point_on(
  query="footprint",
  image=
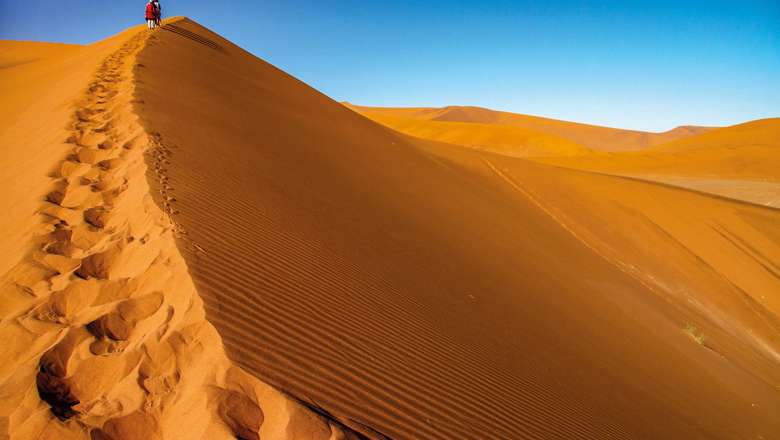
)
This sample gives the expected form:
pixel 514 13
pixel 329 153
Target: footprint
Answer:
pixel 136 425
pixel 242 415
pixel 118 325
pixel 111 326
pixel 69 194
pixel 71 169
pixel 97 216
pixel 91 139
pixel 53 386
pixel 93 156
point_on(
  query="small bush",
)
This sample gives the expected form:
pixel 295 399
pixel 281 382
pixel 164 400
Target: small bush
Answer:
pixel 694 332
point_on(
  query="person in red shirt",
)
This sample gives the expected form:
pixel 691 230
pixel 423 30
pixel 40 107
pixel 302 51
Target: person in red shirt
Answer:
pixel 151 18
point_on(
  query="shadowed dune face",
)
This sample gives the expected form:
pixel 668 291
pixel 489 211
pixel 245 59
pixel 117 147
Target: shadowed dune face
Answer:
pixel 589 137
pixel 416 291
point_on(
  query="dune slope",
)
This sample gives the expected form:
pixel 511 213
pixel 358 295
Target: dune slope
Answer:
pixel 503 139
pixel 412 290
pixel 590 136
pixel 740 162
pixel 759 133
pixel 102 334
pixel 744 151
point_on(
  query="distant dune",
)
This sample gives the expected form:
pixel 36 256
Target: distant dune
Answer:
pixel 739 162
pixel 589 136
pixel 750 151
pixel 16 53
pixel 198 245
pixel 760 133
pixel 503 139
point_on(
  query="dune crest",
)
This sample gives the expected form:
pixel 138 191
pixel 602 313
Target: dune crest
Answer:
pixel 589 137
pixel 498 138
pixel 758 133
pixel 739 162
pixel 104 335
pixel 409 289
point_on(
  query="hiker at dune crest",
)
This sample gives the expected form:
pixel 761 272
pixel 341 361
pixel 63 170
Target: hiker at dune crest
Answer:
pixel 151 16
pixel 157 13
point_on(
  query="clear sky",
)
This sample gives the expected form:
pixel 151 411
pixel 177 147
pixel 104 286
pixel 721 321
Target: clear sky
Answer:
pixel 647 65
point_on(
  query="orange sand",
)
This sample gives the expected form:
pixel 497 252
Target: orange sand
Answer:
pixel 362 281
pixel 589 136
pixel 504 139
pixel 103 334
pixel 738 162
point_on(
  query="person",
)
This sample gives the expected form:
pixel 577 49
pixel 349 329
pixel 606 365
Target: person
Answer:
pixel 150 15
pixel 157 13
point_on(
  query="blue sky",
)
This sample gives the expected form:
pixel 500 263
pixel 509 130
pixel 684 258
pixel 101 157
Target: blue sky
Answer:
pixel 647 65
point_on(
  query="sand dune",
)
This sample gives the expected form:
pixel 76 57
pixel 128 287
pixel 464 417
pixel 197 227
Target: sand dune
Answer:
pixel 745 151
pixel 739 162
pixel 589 136
pixel 17 53
pixel 503 139
pixel 412 292
pixel 760 133
pixel 103 335
pixel 200 246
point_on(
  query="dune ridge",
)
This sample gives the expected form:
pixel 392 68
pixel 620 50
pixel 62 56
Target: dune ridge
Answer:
pixel 104 335
pixel 758 133
pixel 738 162
pixel 16 53
pixel 748 151
pixel 503 139
pixel 406 288
pixel 591 137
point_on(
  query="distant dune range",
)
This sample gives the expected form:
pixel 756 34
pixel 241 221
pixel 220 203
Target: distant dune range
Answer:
pixel 383 285
pixel 591 137
pixel 738 162
pixel 410 287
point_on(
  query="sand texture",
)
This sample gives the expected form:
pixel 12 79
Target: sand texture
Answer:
pixel 197 245
pixel 415 289
pixel 103 334
pixel 494 126
pixel 740 162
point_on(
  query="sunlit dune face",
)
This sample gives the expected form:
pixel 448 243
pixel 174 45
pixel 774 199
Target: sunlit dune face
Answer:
pixel 587 137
